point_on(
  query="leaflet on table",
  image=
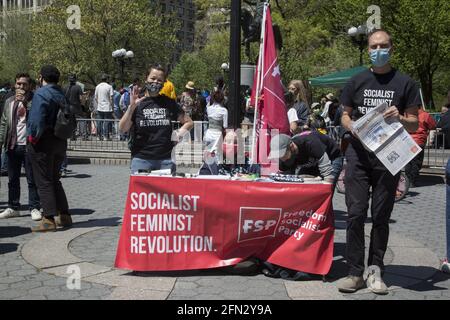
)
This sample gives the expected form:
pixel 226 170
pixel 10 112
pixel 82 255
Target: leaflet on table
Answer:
pixel 390 142
pixel 373 130
pixel 398 152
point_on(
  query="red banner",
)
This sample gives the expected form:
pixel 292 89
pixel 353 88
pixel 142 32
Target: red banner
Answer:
pixel 271 110
pixel 181 224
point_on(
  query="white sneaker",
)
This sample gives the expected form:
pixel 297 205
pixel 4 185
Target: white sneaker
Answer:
pixel 374 281
pixel 9 213
pixel 36 215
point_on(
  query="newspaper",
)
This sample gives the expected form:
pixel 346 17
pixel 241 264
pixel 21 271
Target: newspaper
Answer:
pixel 388 139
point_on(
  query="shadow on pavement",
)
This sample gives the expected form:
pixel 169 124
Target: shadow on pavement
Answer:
pixel 340 220
pixel 10 232
pixel 428 180
pixel 249 268
pixel 107 222
pixel 409 271
pixel 339 268
pixel 81 212
pixel 8 247
pixel 23 207
pixel 78 176
pixel 181 273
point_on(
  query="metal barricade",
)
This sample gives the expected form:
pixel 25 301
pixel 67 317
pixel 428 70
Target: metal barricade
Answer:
pixel 437 149
pixel 87 138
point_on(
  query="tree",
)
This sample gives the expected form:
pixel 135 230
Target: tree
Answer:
pixel 14 51
pixel 315 39
pixel 106 25
pixel 421 32
pixel 204 65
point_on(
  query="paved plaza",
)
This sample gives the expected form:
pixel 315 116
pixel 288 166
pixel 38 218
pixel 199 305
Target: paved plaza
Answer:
pixel 37 266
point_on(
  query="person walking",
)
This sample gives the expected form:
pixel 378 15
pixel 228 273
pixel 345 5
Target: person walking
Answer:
pixel 13 136
pixel 47 151
pixel 381 83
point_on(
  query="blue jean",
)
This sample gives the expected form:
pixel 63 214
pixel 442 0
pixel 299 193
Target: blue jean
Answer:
pixel 447 221
pixel 149 165
pixel 104 128
pixel 15 159
pixel 64 164
pixel 337 165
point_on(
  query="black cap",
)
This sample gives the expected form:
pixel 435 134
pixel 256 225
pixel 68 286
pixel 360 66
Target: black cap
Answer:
pixel 50 74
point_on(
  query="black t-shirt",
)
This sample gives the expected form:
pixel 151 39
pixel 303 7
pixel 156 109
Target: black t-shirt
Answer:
pixel 331 146
pixel 367 90
pixel 152 128
pixel 310 150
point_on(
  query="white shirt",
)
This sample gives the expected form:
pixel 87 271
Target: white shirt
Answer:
pixel 103 94
pixel 216 112
pixel 21 125
pixel 292 115
pixel 326 109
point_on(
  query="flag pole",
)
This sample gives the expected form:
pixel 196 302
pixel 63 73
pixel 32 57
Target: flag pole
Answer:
pixel 259 82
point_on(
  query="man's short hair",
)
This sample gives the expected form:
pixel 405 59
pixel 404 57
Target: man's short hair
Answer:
pixel 104 78
pixel 372 32
pixel 156 66
pixel 50 74
pixel 23 75
pixel 72 78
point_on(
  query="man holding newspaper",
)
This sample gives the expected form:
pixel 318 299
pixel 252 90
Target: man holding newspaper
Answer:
pixel 380 107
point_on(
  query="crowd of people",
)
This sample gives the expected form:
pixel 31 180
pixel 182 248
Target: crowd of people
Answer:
pixel 146 111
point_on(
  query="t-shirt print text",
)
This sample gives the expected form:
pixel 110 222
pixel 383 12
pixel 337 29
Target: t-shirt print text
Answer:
pixel 373 98
pixel 154 117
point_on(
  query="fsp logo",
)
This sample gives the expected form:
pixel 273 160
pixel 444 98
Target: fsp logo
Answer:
pixel 257 223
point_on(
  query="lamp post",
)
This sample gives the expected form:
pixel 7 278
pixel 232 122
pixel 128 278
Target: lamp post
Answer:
pixel 225 70
pixel 121 56
pixel 359 38
pixel 234 102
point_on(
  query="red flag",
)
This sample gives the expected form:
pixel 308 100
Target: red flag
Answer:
pixel 271 111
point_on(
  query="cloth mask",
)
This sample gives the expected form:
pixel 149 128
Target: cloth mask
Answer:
pixel 380 57
pixel 153 88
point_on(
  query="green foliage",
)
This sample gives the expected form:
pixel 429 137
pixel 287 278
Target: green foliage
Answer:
pixel 202 66
pixel 14 51
pixel 316 41
pixel 106 25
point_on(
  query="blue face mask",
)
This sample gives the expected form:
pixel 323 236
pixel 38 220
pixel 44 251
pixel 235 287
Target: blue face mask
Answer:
pixel 380 57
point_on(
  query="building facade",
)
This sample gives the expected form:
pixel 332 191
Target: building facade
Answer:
pixel 184 12
pixel 10 6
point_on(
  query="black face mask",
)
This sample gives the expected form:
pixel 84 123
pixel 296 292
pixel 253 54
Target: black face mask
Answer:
pixel 289 97
pixel 153 88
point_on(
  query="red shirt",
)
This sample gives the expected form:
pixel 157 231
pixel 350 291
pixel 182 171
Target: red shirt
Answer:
pixel 426 123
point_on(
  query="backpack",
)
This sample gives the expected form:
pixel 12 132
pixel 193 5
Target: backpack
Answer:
pixel 66 123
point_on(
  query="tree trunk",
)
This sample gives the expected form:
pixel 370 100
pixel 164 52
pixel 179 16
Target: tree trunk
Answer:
pixel 427 87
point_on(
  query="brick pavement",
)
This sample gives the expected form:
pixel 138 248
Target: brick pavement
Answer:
pixel 97 197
